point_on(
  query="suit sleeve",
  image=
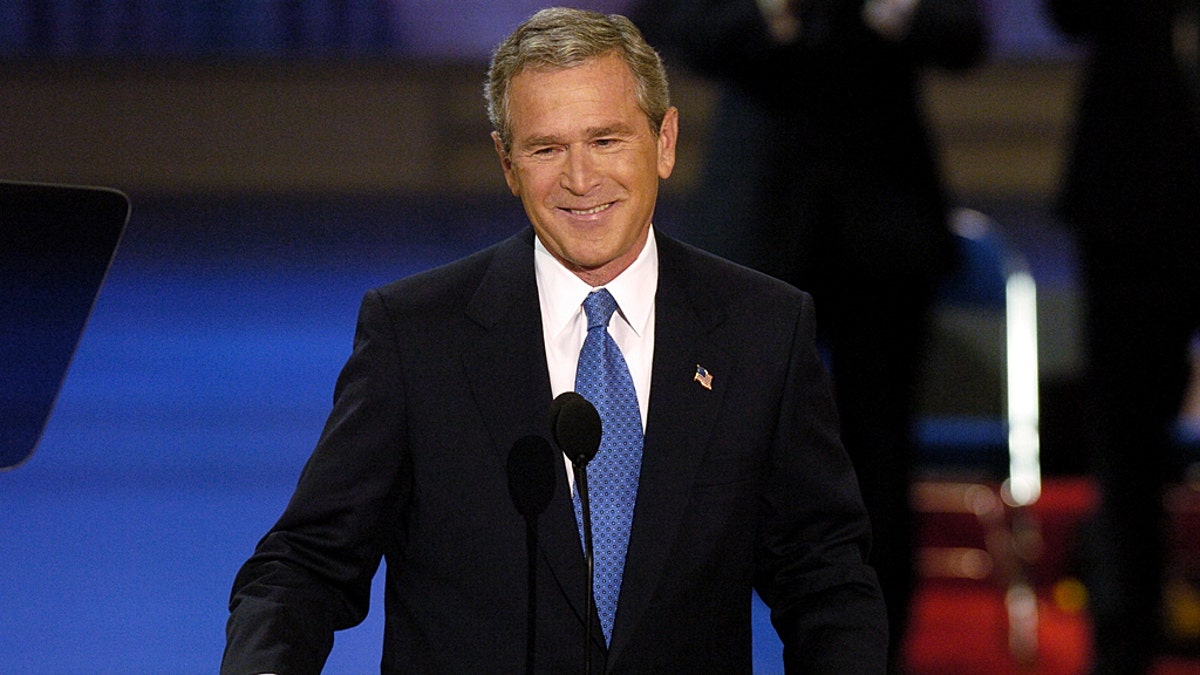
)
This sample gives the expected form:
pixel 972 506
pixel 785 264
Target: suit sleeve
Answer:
pixel 825 600
pixel 311 574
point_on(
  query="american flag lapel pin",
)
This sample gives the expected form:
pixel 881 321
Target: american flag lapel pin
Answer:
pixel 703 377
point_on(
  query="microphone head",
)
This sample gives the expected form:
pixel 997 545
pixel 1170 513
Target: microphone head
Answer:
pixel 575 426
pixel 531 473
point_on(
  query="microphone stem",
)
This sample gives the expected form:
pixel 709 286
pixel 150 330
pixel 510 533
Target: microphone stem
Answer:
pixel 589 556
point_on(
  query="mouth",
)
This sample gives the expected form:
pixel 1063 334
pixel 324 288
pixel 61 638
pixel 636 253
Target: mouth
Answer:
pixel 588 211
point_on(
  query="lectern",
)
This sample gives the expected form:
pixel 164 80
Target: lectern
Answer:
pixel 56 245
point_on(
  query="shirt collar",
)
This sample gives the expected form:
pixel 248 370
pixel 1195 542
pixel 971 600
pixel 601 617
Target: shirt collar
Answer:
pixel 562 293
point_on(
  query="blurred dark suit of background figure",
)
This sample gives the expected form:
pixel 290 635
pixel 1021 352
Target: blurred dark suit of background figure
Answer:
pixel 824 175
pixel 1132 195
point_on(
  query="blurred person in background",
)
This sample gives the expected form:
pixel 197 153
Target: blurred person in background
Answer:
pixel 1131 194
pixel 825 175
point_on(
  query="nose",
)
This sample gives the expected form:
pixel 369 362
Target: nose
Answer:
pixel 580 172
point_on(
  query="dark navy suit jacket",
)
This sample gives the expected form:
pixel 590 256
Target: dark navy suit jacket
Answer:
pixel 742 484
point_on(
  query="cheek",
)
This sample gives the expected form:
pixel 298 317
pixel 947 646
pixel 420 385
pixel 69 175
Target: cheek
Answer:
pixel 513 181
pixel 532 184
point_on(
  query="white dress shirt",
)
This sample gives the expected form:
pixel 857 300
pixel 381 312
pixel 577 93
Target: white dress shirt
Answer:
pixel 564 323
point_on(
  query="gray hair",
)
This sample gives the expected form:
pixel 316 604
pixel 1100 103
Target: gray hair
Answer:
pixel 562 38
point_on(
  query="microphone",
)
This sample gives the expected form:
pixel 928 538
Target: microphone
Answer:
pixel 575 426
pixel 531 475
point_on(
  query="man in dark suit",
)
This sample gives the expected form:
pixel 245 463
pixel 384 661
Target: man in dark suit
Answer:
pixel 743 481
pixel 1131 194
pixel 823 173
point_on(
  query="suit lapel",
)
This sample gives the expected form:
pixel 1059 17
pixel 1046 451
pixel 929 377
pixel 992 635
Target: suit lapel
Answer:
pixel 505 363
pixel 510 381
pixel 682 412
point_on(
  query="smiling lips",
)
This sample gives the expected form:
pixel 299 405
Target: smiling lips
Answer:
pixel 588 212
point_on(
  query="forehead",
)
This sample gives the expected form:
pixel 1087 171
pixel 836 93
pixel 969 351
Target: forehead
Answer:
pixel 600 87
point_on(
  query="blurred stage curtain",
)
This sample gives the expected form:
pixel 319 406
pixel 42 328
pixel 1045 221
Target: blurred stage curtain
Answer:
pixel 169 28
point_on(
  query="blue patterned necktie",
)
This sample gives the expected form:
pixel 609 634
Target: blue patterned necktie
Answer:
pixel 603 379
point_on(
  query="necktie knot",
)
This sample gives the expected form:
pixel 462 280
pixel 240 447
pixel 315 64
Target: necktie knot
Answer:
pixel 599 307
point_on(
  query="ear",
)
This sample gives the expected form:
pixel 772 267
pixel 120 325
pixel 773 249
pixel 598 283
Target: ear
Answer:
pixel 506 164
pixel 668 134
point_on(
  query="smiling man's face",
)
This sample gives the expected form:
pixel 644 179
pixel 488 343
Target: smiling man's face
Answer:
pixel 586 163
